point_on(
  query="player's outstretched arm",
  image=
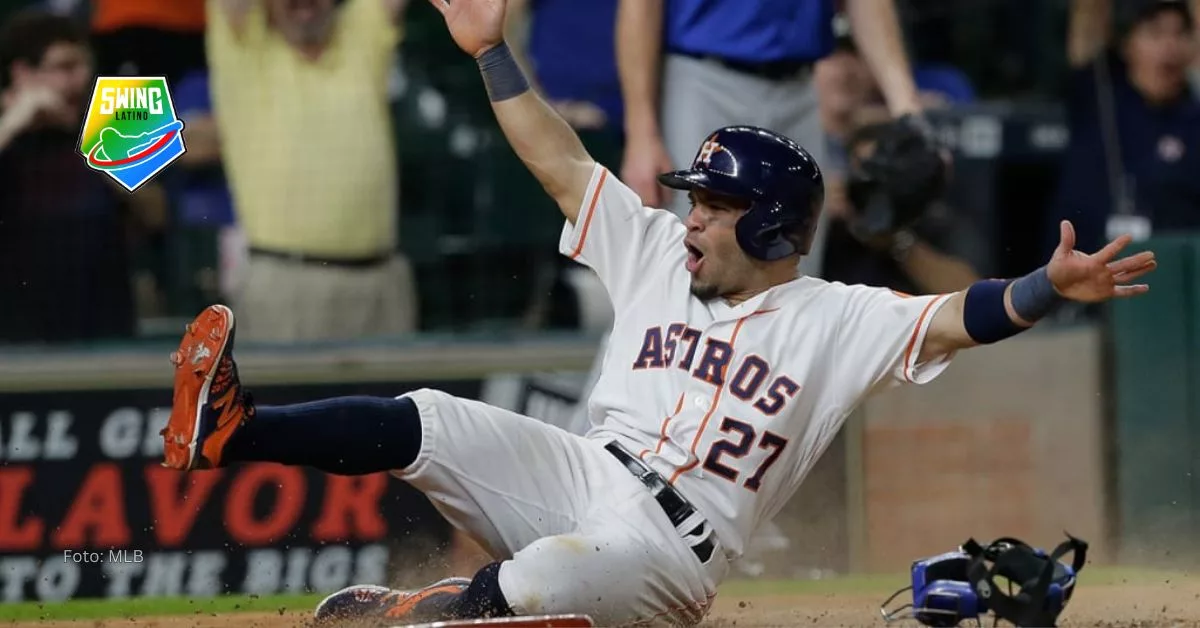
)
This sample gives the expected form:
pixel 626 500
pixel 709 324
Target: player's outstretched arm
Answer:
pixel 540 137
pixel 993 309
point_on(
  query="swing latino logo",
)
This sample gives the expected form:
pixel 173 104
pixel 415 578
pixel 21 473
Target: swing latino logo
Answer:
pixel 131 132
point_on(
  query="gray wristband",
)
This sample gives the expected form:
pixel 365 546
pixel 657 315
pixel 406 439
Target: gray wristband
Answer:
pixel 1033 296
pixel 501 74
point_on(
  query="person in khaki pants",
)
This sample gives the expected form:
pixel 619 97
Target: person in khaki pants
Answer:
pixel 301 105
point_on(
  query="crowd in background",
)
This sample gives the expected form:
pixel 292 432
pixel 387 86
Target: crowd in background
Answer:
pixel 305 195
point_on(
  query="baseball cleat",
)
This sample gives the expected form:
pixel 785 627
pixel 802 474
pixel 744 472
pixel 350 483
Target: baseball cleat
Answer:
pixel 354 602
pixel 209 403
pixel 366 601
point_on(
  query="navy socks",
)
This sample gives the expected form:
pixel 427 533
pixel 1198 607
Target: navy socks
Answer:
pixel 482 598
pixel 343 435
pixel 355 436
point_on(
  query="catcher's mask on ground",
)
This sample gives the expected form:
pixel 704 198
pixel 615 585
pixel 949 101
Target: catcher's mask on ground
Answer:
pixel 1017 583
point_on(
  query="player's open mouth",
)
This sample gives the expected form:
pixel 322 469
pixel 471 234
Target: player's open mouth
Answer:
pixel 694 258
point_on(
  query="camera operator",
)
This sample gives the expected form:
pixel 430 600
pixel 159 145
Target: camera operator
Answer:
pixel 891 226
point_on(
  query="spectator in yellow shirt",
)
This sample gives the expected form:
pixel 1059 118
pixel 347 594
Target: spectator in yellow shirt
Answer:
pixel 300 99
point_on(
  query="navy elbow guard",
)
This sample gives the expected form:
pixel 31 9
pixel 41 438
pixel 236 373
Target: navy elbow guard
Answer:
pixel 986 318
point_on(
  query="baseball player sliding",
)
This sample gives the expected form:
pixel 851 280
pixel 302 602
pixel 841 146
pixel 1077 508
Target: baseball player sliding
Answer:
pixel 726 377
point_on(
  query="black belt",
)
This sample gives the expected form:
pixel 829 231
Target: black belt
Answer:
pixel 673 503
pixel 770 70
pixel 302 258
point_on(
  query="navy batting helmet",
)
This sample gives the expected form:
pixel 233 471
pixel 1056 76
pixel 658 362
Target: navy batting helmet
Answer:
pixel 780 179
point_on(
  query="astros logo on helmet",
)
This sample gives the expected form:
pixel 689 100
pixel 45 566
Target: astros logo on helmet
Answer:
pixel 709 148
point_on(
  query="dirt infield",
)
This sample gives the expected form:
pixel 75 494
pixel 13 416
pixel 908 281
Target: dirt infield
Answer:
pixel 1143 605
pixel 1140 606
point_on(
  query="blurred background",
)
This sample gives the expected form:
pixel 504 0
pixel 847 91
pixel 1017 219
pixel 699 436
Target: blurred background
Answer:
pixel 346 189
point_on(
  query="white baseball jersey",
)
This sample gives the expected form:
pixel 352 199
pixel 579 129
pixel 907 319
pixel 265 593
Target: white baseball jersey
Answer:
pixel 733 404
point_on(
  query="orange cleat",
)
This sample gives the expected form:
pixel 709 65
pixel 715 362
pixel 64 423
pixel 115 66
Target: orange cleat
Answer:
pixel 209 404
pixel 364 602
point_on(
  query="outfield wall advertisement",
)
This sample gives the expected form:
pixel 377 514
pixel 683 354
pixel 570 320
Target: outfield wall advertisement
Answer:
pixel 87 510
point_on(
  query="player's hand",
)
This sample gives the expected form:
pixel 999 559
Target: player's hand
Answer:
pixel 644 160
pixel 1097 277
pixel 475 25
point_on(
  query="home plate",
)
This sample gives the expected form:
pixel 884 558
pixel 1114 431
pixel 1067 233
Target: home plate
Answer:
pixel 529 621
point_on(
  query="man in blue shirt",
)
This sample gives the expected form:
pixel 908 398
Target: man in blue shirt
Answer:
pixel 1134 153
pixel 690 66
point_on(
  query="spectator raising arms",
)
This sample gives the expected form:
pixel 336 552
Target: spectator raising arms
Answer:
pixel 300 98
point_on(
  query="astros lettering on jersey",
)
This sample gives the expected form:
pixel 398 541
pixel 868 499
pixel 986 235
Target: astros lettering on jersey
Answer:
pixel 733 404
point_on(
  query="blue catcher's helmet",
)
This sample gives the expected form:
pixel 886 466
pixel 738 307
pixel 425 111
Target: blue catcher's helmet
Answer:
pixel 780 179
pixel 962 585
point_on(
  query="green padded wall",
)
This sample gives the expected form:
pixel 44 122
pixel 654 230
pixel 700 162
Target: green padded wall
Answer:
pixel 1155 339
